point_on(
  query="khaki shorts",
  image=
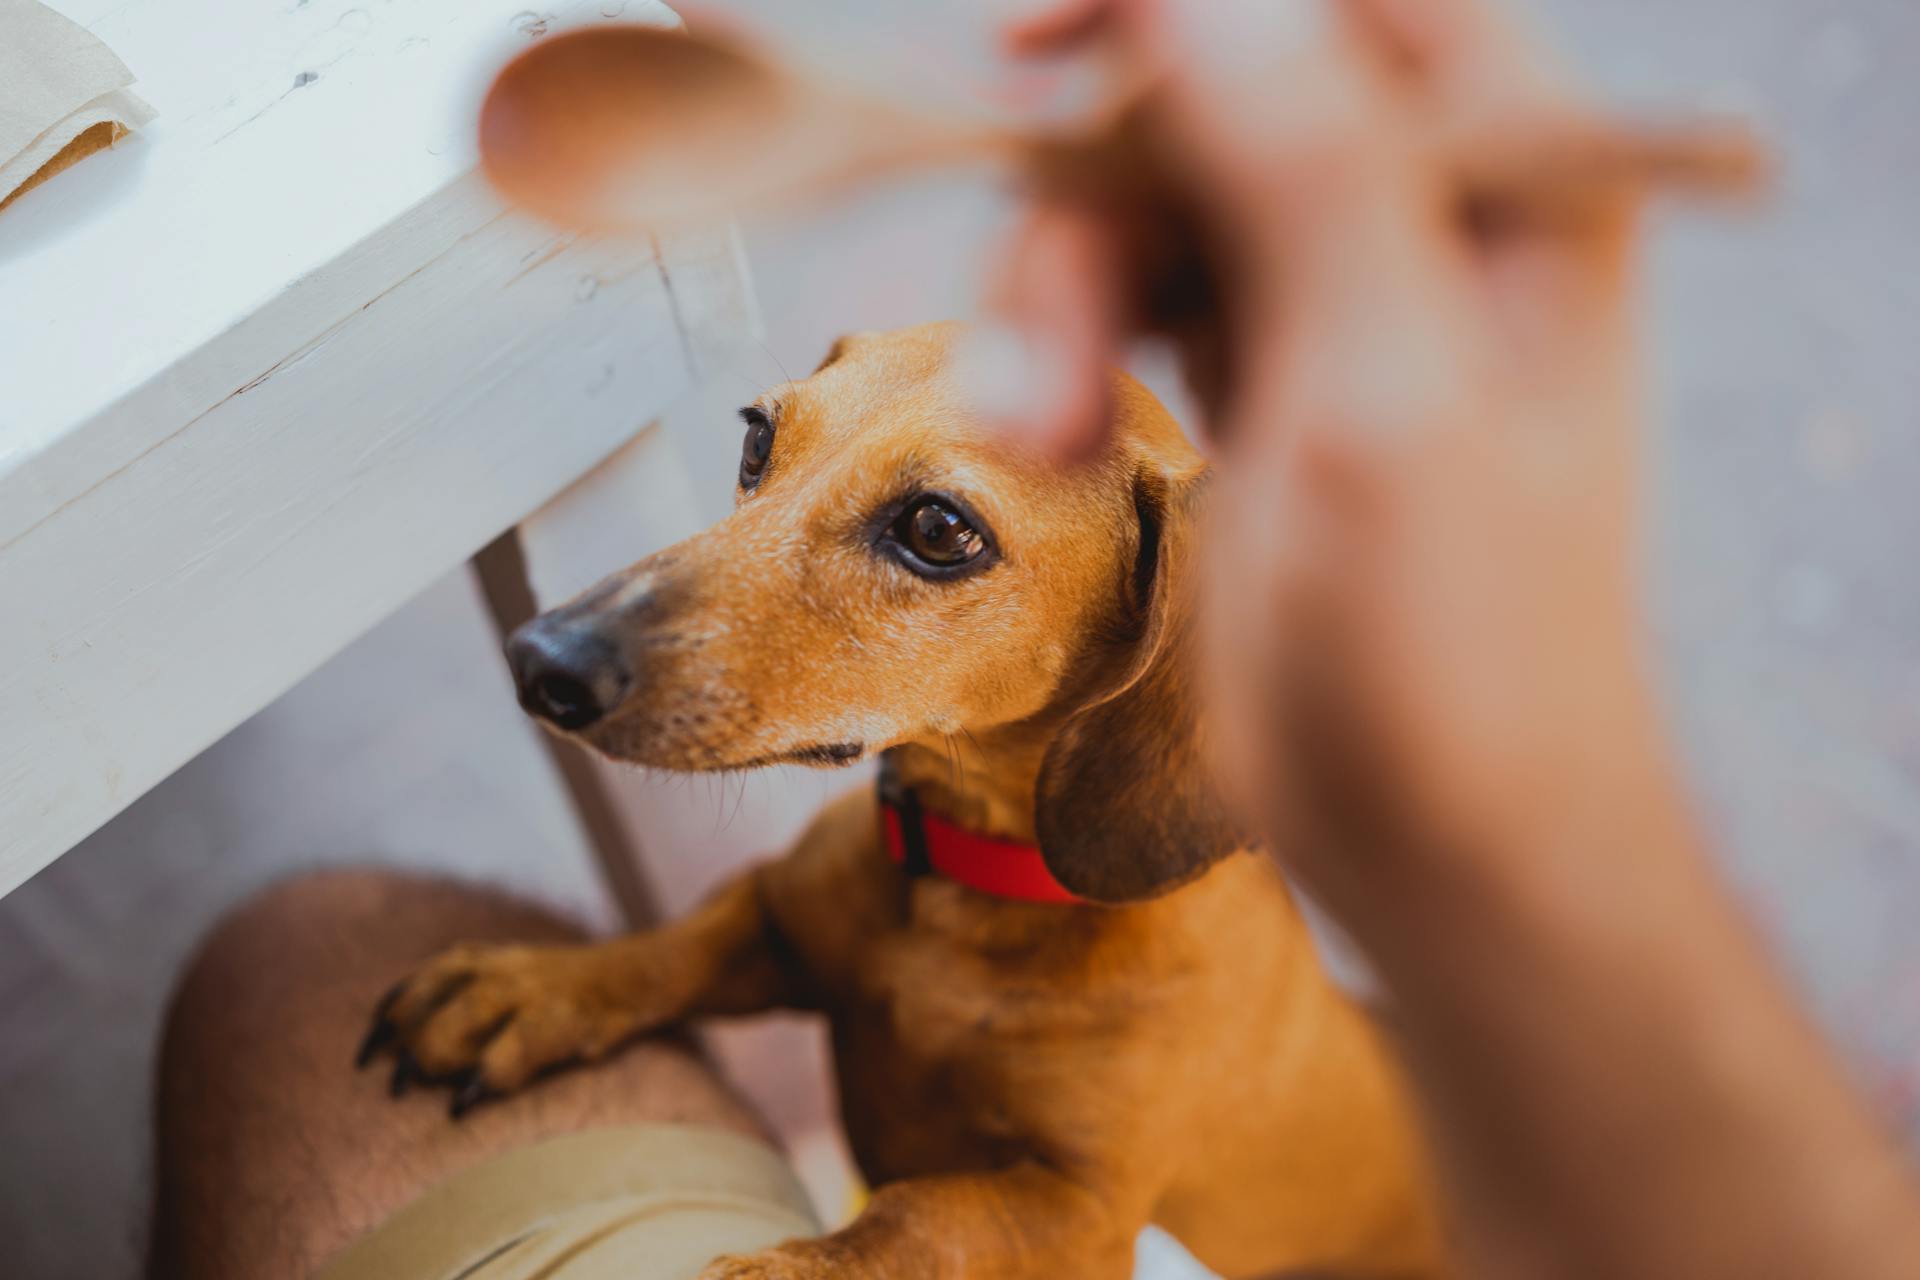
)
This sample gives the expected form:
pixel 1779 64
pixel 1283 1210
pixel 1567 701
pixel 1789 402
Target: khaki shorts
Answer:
pixel 650 1202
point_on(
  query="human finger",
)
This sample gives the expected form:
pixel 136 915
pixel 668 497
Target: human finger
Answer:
pixel 1037 370
pixel 1057 28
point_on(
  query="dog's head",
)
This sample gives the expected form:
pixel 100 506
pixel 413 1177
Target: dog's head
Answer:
pixel 892 573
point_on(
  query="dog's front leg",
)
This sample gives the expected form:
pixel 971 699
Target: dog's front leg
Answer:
pixel 487 1019
pixel 1026 1222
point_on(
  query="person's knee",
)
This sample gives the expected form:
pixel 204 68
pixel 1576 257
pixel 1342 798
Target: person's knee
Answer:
pixel 297 942
pixel 340 893
pixel 295 911
pixel 258 1102
pixel 283 936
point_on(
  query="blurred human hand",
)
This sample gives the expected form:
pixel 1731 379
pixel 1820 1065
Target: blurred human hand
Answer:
pixel 1423 627
pixel 1423 644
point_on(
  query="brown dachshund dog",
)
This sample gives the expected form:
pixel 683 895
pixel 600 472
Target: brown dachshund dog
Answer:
pixel 1026 1083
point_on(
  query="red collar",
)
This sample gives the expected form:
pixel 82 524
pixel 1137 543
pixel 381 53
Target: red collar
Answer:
pixel 926 843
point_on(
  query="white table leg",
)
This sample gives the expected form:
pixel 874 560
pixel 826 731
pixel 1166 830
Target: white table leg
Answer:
pixel 501 568
pixel 632 504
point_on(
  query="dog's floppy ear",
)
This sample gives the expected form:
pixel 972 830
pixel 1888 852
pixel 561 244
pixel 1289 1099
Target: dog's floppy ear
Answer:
pixel 1125 806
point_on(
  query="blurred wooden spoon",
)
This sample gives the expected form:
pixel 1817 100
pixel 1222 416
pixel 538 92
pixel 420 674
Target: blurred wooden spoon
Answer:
pixel 630 128
pixel 636 129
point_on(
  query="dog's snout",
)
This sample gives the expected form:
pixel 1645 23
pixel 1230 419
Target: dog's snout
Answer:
pixel 566 671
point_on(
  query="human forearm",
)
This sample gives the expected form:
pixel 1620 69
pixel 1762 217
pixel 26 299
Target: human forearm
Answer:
pixel 1616 1080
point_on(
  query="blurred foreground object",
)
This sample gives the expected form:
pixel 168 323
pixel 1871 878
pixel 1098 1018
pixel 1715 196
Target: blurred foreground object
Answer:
pixel 63 96
pixel 1426 660
pixel 623 129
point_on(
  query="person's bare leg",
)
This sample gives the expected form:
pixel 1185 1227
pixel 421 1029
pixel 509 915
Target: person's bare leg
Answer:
pixel 273 1152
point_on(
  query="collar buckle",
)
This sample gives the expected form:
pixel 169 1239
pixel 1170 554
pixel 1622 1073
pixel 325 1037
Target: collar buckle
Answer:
pixel 915 858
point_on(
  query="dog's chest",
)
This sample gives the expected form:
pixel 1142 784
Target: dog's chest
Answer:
pixel 960 1024
pixel 964 969
pixel 942 1001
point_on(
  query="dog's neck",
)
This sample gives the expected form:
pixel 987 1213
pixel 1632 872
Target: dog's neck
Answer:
pixel 983 781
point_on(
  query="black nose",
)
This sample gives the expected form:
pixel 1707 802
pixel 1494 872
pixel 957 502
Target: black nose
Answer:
pixel 565 671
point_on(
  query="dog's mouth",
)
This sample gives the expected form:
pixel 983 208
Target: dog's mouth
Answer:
pixel 832 755
pixel 712 734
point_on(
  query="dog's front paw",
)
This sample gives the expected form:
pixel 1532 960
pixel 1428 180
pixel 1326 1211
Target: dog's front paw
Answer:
pixel 487 1019
pixel 788 1262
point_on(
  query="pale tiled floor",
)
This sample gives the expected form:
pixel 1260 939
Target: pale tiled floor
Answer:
pixel 1784 553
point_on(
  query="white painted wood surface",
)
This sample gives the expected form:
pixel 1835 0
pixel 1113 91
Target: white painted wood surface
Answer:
pixel 268 370
pixel 287 131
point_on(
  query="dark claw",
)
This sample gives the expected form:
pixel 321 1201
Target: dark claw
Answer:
pixel 404 1073
pixel 472 1092
pixel 382 1031
pixel 491 1032
pixel 378 1036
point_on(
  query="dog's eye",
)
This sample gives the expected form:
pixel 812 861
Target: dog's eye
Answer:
pixel 757 448
pixel 934 536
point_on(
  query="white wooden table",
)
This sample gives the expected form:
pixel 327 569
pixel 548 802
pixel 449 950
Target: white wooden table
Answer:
pixel 278 362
